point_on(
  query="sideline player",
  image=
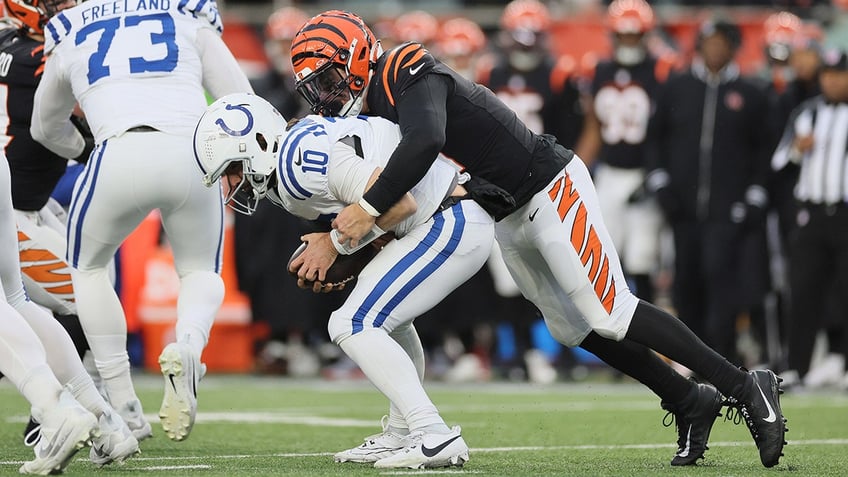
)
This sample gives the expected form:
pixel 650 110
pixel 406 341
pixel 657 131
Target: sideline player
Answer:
pixel 142 105
pixel 321 166
pixel 549 222
pixel 619 106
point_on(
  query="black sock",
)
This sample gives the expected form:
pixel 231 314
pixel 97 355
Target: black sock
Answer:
pixel 668 336
pixel 72 325
pixel 644 286
pixel 642 364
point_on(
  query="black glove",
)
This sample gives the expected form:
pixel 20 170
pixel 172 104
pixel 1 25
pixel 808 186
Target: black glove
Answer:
pixel 86 150
pixel 494 200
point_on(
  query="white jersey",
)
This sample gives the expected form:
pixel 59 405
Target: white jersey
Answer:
pixel 133 62
pixel 325 163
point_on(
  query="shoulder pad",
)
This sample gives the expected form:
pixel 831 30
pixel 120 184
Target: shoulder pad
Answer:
pixel 306 150
pixel 56 30
pixel 204 10
pixel 403 65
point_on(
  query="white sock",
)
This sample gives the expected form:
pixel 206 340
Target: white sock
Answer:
pixel 201 295
pixel 392 372
pixel 407 337
pixel 117 379
pixel 83 389
pixel 59 348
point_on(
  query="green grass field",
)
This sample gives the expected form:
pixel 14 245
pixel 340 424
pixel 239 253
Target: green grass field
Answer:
pixel 250 426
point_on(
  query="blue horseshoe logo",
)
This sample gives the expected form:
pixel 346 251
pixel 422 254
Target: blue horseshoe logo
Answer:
pixel 220 121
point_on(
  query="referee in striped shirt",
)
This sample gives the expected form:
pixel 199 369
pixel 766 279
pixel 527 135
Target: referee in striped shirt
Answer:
pixel 816 140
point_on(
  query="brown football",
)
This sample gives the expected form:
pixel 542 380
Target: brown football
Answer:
pixel 346 267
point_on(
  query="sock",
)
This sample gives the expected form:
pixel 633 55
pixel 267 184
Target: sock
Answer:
pixel 82 387
pixel 662 332
pixel 407 337
pixel 392 372
pixel 117 379
pixel 642 364
pixel 201 295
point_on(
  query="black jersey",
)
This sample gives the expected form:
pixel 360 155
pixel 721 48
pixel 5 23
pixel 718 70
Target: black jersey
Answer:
pixel 545 98
pixel 623 99
pixel 482 135
pixel 35 170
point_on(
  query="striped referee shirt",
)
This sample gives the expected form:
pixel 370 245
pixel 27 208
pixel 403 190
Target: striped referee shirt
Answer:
pixel 824 168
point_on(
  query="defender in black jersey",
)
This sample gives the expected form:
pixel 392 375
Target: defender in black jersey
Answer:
pixel 549 224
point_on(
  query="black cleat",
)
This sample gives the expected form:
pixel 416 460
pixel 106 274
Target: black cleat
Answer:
pixel 694 417
pixel 762 414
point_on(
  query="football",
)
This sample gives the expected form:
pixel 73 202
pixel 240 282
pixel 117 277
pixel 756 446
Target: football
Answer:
pixel 346 267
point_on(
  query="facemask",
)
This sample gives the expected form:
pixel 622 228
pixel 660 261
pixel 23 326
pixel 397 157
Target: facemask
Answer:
pixel 629 55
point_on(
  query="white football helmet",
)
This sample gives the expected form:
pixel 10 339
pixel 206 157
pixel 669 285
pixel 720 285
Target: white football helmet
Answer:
pixel 243 133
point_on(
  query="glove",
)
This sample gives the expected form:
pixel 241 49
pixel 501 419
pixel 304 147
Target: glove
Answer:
pixel 494 200
pixel 640 194
pixel 86 150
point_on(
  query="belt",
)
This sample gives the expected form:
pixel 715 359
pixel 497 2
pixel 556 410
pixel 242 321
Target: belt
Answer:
pixel 143 129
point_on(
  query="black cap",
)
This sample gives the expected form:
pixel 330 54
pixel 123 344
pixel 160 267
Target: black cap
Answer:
pixel 721 27
pixel 834 59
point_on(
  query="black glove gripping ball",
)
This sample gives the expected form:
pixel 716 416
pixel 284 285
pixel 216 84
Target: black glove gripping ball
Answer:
pixel 346 267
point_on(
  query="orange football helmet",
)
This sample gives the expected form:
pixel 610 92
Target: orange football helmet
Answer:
pixel 284 23
pixel 460 37
pixel 529 15
pixel 334 55
pixel 418 26
pixel 630 16
pixel 33 14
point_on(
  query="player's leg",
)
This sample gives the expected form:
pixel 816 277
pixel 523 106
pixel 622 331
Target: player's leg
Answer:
pixel 56 347
pixel 615 313
pixel 407 278
pixel 103 211
pixel 193 220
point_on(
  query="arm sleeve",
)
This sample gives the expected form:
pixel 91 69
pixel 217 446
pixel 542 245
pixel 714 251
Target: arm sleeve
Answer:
pixel 51 112
pixel 422 116
pixel 222 74
pixel 348 174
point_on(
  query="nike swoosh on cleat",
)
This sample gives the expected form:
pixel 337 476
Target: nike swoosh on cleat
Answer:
pixel 171 377
pixel 685 452
pixel 431 452
pixel 771 415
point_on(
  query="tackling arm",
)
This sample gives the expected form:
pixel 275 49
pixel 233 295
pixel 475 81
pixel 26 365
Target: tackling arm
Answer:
pixel 422 116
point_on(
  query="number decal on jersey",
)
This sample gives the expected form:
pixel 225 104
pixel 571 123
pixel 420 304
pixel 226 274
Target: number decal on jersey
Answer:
pixel 97 67
pixel 315 161
pixel 623 114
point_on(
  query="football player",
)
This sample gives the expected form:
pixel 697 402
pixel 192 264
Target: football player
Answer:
pixel 319 167
pixel 33 173
pixel 549 225
pixel 142 105
pixel 619 107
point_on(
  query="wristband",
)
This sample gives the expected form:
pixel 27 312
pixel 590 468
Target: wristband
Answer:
pixel 346 249
pixel 368 208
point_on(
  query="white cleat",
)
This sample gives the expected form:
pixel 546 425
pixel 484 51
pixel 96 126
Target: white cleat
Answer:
pixel 64 431
pixel 375 447
pixel 182 371
pixel 133 416
pixel 427 450
pixel 116 442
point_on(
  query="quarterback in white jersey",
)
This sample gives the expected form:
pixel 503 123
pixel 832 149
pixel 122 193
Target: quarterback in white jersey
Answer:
pixel 138 70
pixel 314 170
